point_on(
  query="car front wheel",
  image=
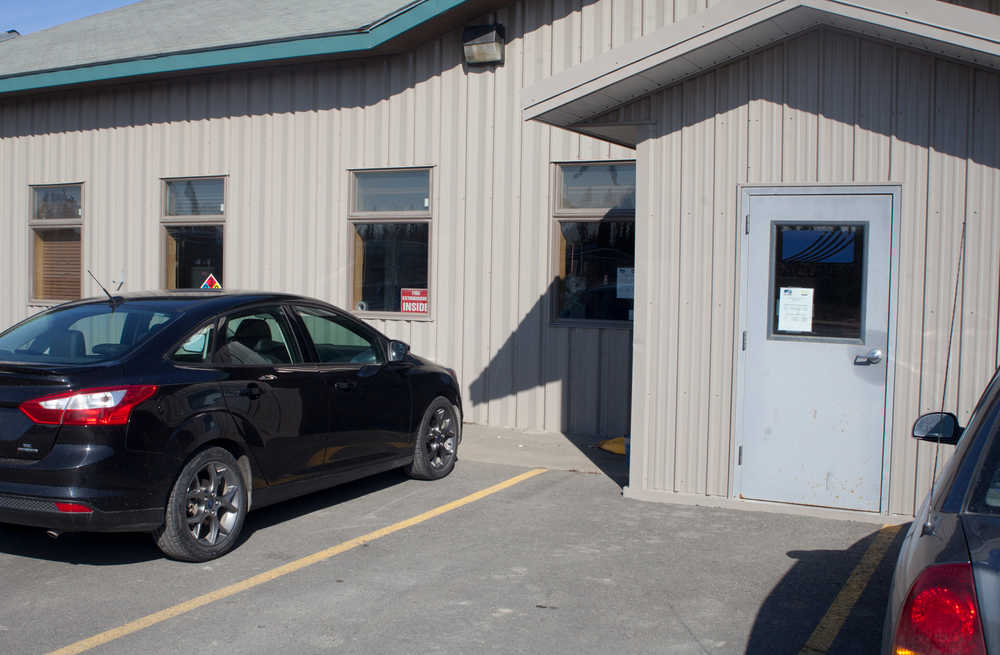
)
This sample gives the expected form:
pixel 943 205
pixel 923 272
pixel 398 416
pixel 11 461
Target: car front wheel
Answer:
pixel 206 508
pixel 436 448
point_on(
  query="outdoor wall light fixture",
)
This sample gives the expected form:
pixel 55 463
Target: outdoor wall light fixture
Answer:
pixel 483 44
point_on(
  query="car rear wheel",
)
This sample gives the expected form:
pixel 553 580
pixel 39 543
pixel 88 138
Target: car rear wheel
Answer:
pixel 206 508
pixel 436 449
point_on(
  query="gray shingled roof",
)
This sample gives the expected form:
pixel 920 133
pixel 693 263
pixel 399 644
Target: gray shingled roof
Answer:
pixel 157 27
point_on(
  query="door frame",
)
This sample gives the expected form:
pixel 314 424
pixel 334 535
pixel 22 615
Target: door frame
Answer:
pixel 746 192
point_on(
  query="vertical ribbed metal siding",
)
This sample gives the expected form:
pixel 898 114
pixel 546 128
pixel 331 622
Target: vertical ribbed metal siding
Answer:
pixel 286 136
pixel 825 107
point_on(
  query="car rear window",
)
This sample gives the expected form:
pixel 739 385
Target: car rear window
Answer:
pixel 83 334
pixel 984 497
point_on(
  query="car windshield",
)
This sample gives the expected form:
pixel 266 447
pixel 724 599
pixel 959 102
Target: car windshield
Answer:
pixel 84 334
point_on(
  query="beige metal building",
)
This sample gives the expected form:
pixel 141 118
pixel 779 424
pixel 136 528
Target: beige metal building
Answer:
pixel 695 221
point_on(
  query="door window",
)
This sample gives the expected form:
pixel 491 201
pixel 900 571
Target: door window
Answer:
pixel 196 348
pixel 818 276
pixel 336 341
pixel 258 338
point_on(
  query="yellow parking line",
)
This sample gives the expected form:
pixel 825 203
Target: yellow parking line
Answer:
pixel 291 567
pixel 832 622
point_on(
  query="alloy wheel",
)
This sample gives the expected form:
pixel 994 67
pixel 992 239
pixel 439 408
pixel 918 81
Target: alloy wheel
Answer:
pixel 441 437
pixel 214 495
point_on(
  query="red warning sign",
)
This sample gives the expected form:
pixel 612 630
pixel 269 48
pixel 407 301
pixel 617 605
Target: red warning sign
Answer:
pixel 413 301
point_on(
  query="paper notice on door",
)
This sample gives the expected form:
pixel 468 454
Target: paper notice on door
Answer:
pixel 795 309
pixel 625 288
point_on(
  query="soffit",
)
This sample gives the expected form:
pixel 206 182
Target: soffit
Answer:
pixel 736 28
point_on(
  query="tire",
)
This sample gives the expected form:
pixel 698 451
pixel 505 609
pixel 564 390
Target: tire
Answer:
pixel 206 508
pixel 436 447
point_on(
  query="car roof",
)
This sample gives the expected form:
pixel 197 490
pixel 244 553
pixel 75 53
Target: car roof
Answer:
pixel 197 303
pixel 223 297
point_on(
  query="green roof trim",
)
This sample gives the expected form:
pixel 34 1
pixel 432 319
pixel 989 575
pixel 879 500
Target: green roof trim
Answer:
pixel 366 39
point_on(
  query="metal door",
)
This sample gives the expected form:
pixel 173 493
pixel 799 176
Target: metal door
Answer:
pixel 814 348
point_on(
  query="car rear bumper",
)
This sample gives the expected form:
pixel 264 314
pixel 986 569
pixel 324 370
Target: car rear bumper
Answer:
pixel 44 513
pixel 125 490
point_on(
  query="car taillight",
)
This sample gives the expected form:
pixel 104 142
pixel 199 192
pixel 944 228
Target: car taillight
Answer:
pixel 103 406
pixel 941 615
pixel 73 508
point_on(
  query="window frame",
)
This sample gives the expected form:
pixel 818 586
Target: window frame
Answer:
pixel 296 348
pixel 36 224
pixel 587 212
pixel 201 218
pixel 389 217
pixel 311 356
pixel 588 215
pixel 191 220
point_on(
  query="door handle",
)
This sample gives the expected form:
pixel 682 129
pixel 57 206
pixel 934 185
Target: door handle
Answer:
pixel 251 391
pixel 344 386
pixel 874 356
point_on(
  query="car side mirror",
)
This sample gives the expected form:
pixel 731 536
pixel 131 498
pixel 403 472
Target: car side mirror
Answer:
pixel 938 426
pixel 397 350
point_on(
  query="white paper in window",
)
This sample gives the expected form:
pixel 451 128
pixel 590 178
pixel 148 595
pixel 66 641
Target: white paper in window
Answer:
pixel 795 309
pixel 626 283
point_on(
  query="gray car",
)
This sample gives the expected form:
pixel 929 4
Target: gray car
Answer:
pixel 945 594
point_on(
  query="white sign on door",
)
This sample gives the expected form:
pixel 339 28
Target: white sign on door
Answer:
pixel 795 309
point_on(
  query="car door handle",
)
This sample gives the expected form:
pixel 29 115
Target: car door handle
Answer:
pixel 344 386
pixel 251 391
pixel 874 356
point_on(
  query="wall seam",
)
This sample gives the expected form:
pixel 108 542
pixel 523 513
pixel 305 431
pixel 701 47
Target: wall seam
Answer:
pixel 923 300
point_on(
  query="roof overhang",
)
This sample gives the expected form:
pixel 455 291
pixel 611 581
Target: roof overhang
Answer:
pixel 736 28
pixel 413 24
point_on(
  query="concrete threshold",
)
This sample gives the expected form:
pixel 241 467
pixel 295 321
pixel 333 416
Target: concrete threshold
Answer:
pixel 566 452
pixel 553 450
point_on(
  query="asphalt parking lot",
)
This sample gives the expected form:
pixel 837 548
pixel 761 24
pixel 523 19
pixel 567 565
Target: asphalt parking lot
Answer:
pixel 554 561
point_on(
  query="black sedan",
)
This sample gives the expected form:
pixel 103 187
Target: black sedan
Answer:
pixel 178 412
pixel 945 594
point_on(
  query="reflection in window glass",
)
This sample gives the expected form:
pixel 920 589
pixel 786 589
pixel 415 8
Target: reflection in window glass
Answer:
pixel 259 339
pixel 81 334
pixel 337 343
pixel 193 253
pixel 390 262
pixel 596 270
pixel 195 348
pixel 392 191
pixel 57 202
pixel 598 186
pixel 57 264
pixel 198 197
pixel 818 280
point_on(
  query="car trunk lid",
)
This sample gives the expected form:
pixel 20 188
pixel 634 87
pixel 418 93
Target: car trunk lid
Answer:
pixel 20 437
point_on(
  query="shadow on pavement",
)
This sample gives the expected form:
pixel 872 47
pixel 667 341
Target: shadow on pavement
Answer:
pixel 90 548
pixel 800 600
pixel 100 549
pixel 296 507
pixel 612 465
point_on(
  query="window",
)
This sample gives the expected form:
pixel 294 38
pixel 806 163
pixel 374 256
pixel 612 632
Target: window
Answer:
pixel 56 223
pixel 259 338
pixel 595 242
pixel 336 341
pixel 193 215
pixel 817 280
pixel 390 222
pixel 196 348
pixel 83 334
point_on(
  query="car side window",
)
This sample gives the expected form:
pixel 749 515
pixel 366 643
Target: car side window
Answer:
pixel 336 341
pixel 195 349
pixel 257 338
